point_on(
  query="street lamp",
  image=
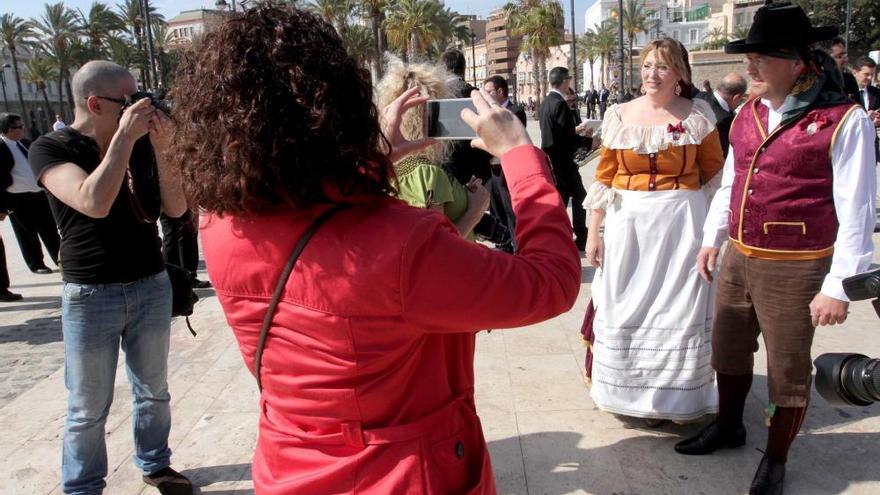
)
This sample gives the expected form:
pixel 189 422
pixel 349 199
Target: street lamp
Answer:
pixel 474 57
pixel 3 83
pixel 574 51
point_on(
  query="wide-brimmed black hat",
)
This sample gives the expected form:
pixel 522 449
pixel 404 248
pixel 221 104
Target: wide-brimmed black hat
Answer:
pixel 780 25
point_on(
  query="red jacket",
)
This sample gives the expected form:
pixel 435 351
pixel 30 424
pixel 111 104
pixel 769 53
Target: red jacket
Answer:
pixel 368 381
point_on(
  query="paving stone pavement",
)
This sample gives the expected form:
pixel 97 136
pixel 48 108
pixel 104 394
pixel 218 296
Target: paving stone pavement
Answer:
pixel 544 433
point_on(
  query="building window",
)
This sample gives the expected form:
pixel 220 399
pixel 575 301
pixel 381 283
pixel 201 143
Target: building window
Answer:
pixel 693 36
pixel 675 34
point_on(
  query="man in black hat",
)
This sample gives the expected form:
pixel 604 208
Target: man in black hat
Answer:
pixel 797 204
pixel 559 139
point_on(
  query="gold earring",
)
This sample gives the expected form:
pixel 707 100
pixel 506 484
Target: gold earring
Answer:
pixel 678 89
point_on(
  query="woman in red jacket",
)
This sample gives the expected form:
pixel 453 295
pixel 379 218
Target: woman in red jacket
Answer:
pixel 367 374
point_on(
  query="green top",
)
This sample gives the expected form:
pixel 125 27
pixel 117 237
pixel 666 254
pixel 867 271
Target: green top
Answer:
pixel 423 184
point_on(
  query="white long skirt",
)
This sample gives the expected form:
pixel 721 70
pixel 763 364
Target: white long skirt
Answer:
pixel 653 323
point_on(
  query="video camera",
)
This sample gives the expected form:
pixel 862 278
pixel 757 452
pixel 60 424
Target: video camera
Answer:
pixel 845 379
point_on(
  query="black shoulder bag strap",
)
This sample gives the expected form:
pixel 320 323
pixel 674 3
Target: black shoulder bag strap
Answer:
pixel 282 282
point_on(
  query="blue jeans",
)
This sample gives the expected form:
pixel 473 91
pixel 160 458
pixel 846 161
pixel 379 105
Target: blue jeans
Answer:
pixel 96 319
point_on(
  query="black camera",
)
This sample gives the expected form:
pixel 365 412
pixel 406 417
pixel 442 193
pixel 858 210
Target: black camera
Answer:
pixel 845 379
pixel 159 101
pixel 490 228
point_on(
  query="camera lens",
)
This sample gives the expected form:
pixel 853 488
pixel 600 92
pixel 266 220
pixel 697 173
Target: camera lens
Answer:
pixel 848 379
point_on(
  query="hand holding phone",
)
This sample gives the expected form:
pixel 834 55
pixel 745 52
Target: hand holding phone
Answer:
pixel 498 129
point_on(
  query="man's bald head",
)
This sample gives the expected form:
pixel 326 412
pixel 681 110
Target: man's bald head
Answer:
pixel 99 78
pixel 733 84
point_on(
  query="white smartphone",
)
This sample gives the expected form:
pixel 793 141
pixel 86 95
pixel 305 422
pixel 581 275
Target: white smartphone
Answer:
pixel 443 119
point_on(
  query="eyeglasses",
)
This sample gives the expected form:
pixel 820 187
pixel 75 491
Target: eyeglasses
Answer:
pixel 755 61
pixel 19 126
pixel 121 101
pixel 660 68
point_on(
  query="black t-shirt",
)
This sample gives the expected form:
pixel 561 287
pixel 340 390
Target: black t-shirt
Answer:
pixel 119 248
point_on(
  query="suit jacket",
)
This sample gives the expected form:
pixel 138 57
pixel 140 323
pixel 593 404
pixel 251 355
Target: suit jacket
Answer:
pixel 519 111
pixel 558 136
pixel 604 95
pixel 7 163
pixel 723 119
pixel 851 86
pixel 873 104
pixel 873 98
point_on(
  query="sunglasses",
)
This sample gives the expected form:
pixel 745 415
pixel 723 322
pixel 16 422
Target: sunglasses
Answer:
pixel 19 126
pixel 121 101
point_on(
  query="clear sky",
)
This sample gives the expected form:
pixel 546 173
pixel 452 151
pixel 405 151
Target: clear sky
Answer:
pixel 170 8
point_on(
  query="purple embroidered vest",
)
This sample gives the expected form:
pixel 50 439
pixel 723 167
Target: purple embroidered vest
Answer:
pixel 781 200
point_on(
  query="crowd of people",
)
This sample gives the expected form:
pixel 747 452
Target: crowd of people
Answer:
pixel 341 242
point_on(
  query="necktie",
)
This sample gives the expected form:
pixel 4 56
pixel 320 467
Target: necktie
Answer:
pixel 22 148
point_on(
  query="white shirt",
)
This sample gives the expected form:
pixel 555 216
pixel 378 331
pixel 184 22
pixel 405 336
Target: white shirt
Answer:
pixel 22 175
pixel 854 190
pixel 721 101
pixel 58 125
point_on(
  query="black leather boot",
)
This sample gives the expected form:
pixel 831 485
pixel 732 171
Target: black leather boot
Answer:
pixel 712 438
pixel 769 478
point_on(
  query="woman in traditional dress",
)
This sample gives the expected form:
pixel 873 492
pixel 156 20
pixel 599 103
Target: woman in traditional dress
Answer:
pixel 421 181
pixel 650 331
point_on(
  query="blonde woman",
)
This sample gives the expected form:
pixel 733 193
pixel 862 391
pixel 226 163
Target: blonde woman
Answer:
pixel 650 331
pixel 421 182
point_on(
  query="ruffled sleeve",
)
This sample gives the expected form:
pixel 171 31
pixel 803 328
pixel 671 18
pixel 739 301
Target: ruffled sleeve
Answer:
pixel 600 193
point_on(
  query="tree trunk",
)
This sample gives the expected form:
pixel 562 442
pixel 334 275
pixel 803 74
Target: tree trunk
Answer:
pixel 543 73
pixel 18 80
pixel 631 81
pixel 49 109
pixel 375 20
pixel 69 95
pixel 592 82
pixel 412 47
pixel 536 85
pixel 60 92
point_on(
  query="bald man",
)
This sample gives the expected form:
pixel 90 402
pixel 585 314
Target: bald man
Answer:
pixel 730 93
pixel 116 291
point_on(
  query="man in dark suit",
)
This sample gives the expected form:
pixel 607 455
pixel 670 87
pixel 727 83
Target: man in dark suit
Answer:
pixel 724 100
pixel 869 96
pixel 23 198
pixel 603 96
pixel 592 102
pixel 463 161
pixel 559 139
pixel 838 53
pixel 499 196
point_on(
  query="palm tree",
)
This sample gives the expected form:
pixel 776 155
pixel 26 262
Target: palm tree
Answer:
pixel 717 37
pixel 606 42
pixel 450 31
pixel 636 19
pixel 57 29
pixel 587 50
pixel 360 44
pixel 410 26
pixel 336 12
pixel 15 33
pixel 98 25
pixel 39 72
pixel 133 19
pixel 374 10
pixel 122 52
pixel 540 22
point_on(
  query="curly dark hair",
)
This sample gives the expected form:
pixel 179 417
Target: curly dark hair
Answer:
pixel 271 113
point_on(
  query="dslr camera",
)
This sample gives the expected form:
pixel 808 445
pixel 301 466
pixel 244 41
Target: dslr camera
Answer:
pixel 158 100
pixel 845 379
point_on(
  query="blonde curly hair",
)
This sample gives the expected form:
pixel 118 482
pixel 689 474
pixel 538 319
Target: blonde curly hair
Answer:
pixel 432 81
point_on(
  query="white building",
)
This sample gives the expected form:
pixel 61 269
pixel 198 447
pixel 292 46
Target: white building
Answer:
pixel 684 20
